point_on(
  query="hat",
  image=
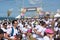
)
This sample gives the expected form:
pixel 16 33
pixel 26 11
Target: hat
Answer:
pixel 1 31
pixel 49 31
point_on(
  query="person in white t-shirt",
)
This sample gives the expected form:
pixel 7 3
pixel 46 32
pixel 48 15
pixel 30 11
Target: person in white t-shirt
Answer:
pixel 49 34
pixel 9 25
pixel 57 30
pixel 24 32
pixel 1 34
pixel 20 26
pixel 39 32
pixel 12 32
pixel 4 28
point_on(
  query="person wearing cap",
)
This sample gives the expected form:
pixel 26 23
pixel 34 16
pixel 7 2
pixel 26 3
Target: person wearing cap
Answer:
pixel 49 34
pixel 1 34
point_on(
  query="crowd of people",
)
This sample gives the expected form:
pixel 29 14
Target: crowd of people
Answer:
pixel 45 28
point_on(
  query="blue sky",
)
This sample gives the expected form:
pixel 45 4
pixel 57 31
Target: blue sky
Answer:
pixel 47 5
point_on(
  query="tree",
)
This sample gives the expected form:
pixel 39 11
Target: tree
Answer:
pixel 9 12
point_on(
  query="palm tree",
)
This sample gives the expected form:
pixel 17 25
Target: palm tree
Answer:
pixel 9 12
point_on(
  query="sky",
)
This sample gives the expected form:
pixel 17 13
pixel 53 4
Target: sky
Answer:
pixel 16 5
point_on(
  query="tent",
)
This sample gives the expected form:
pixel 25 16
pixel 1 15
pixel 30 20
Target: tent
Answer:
pixel 18 16
pixel 57 15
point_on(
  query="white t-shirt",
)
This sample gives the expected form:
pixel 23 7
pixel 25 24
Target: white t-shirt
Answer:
pixel 46 21
pixel 21 26
pixel 42 30
pixel 32 23
pixel 47 38
pixel 56 24
pixel 28 26
pixel 10 30
pixel 9 26
pixel 56 29
pixel 24 30
pixel 5 30
pixel 39 29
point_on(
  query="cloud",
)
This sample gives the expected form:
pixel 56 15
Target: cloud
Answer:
pixel 34 1
pixel 31 2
